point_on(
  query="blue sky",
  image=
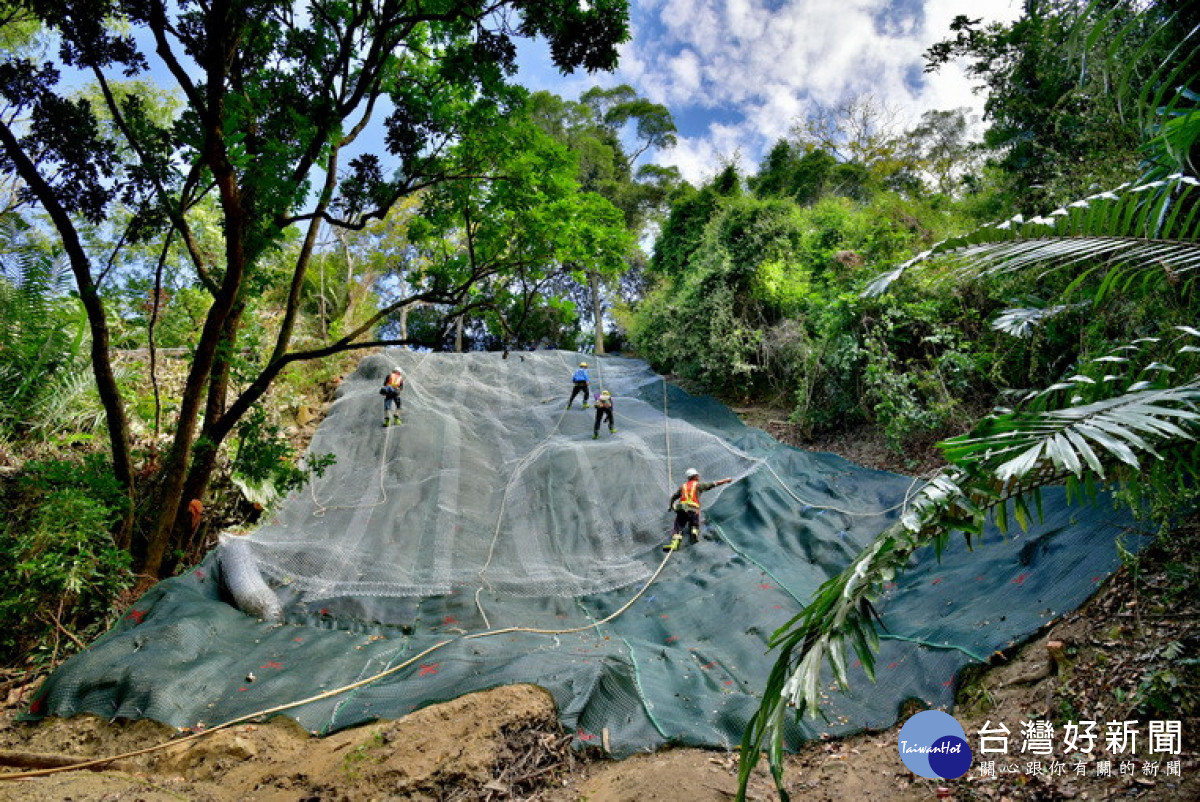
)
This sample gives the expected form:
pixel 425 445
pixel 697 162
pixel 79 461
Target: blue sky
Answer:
pixel 738 74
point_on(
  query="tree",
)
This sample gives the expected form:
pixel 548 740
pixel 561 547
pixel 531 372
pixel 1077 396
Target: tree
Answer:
pixel 1126 417
pixel 593 129
pixel 273 100
pixel 691 210
pixel 1068 88
pixel 513 223
pixel 807 175
pixel 861 131
pixel 938 148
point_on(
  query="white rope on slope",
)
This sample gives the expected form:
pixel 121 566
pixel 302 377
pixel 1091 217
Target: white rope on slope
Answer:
pixel 262 714
pixel 533 452
pixel 320 509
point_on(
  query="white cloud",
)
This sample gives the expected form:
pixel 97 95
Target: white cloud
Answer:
pixel 753 67
pixel 686 72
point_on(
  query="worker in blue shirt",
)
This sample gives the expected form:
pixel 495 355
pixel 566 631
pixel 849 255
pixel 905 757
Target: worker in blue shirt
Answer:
pixel 581 385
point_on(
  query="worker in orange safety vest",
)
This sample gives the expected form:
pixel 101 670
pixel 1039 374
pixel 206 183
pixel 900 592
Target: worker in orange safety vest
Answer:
pixel 392 385
pixel 685 502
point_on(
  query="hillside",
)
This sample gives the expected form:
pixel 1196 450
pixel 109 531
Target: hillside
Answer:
pixel 506 743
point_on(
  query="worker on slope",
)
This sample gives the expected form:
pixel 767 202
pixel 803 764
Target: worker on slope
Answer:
pixel 604 409
pixel 390 391
pixel 685 502
pixel 581 385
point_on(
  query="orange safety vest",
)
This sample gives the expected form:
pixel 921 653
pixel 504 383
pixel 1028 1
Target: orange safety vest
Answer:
pixel 394 380
pixel 689 493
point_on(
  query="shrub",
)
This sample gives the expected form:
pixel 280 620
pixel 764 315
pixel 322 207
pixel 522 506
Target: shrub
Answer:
pixel 60 571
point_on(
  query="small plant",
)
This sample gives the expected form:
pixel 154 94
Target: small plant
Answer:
pixel 973 694
pixel 1067 711
pixel 265 466
pixel 353 761
pixel 1164 689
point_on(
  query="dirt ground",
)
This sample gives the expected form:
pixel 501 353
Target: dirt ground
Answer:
pixel 1133 645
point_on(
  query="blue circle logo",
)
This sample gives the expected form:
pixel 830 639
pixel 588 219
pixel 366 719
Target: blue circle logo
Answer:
pixel 934 745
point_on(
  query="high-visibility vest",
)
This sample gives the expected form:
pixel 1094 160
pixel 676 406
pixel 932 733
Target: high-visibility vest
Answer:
pixel 395 380
pixel 689 493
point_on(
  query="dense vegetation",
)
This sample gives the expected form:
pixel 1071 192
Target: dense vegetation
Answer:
pixel 759 279
pixel 168 258
pixel 1089 357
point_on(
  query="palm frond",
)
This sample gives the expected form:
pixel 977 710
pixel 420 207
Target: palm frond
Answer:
pixel 1021 322
pixel 1178 133
pixel 67 401
pixel 1004 461
pixel 1010 447
pixel 1156 94
pixel 1120 417
pixel 1001 465
pixel 1149 226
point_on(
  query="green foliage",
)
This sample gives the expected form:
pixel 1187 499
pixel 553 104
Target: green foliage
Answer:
pixel 1121 410
pixel 59 566
pixel 920 370
pixel 252 161
pixel 744 280
pixel 1127 417
pixel 1067 119
pixel 760 302
pixel 516 225
pixel 595 131
pixel 178 318
pixel 802 175
pixel 44 383
pixel 265 464
pixel 683 231
pixel 1164 691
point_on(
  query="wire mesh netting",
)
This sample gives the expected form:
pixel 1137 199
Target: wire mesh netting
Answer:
pixel 491 540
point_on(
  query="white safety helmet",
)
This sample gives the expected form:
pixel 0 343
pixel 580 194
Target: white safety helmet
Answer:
pixel 692 472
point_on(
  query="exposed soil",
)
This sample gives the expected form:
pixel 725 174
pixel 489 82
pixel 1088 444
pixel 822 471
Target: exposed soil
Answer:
pixel 1135 644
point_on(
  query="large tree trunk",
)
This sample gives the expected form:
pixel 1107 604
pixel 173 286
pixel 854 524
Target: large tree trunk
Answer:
pixel 175 471
pixel 208 444
pixel 597 312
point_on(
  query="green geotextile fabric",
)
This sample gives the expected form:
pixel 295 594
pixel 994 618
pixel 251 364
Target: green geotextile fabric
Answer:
pixel 493 508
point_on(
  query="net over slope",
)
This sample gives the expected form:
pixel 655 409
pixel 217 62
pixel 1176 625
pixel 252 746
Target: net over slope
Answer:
pixel 491 540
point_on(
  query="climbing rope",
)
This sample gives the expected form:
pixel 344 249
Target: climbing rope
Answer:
pixel 535 451
pixel 349 687
pixel 667 430
pixel 319 509
pixel 908 495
